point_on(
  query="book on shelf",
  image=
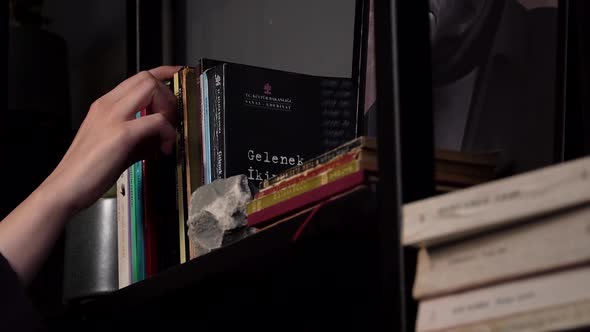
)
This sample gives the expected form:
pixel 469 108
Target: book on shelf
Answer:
pixel 455 170
pixel 497 302
pixel 347 166
pixel 186 86
pixel 232 119
pixel 508 253
pixel 363 142
pixel 567 317
pixel 260 121
pixel 496 203
pixel 123 231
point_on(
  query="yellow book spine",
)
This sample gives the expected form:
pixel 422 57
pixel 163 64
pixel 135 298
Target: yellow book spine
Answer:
pixel 179 176
pixel 304 186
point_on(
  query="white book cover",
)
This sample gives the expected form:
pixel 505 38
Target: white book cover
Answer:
pixel 496 203
pixel 123 230
pixel 503 300
pixel 548 243
pixel 558 318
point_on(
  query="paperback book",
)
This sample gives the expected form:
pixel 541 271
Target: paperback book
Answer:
pixel 260 121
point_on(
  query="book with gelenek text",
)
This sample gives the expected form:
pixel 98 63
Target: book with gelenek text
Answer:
pixel 260 122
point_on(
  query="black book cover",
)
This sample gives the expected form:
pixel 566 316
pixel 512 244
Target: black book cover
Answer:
pixel 274 120
pixel 215 90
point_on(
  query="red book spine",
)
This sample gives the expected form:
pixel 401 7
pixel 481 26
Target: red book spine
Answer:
pixel 151 266
pixel 338 161
pixel 258 219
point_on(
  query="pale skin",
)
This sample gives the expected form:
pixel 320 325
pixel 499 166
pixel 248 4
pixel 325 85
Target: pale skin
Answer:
pixel 108 141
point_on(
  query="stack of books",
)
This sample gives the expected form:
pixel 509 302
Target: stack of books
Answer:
pixel 339 170
pixel 508 255
pixel 455 170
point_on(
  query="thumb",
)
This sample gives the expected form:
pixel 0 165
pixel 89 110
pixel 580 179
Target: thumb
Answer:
pixel 151 131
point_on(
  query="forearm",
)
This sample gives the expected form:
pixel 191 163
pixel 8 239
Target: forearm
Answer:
pixel 29 232
pixel 109 139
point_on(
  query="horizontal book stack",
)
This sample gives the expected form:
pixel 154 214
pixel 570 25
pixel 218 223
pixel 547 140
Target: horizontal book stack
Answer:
pixel 341 169
pixel 455 170
pixel 508 255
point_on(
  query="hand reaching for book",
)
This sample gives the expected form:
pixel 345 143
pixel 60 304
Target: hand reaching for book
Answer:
pixel 111 138
pixel 108 141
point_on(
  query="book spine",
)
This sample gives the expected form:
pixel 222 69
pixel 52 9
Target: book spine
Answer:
pixel 321 159
pixel 442 176
pixel 133 224
pixel 520 197
pixel 368 161
pixel 163 203
pixel 489 159
pixel 186 115
pixel 180 174
pixel 503 300
pixel 216 82
pixel 139 221
pixel 211 124
pixel 465 169
pixel 193 128
pixel 218 123
pixel 505 254
pixel 205 66
pixel 312 196
pixel 206 128
pixel 123 231
pixel 223 150
pixel 303 186
pixel 566 317
pixel 321 168
pixel 149 219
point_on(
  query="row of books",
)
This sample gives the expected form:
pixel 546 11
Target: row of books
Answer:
pixel 264 123
pixel 349 165
pixel 233 119
pixel 508 255
pixel 456 170
pixel 335 172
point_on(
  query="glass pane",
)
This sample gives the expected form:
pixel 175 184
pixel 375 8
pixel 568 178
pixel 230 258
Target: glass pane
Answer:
pixel 494 79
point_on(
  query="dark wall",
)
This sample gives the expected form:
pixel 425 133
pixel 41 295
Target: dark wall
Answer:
pixel 496 81
pixel 95 36
pixel 55 71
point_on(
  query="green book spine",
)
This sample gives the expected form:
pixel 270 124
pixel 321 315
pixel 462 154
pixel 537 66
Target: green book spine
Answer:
pixel 133 212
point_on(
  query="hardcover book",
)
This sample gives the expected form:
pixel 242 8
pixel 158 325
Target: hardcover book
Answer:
pixel 262 121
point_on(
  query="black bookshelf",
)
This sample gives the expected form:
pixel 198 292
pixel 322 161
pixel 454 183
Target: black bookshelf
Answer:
pixel 573 90
pixel 348 269
pixel 327 277
pixel 404 129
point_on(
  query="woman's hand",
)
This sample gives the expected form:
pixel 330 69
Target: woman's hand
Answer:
pixel 111 138
pixel 108 141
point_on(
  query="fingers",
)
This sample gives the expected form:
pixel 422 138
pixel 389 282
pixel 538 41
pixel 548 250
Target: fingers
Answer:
pixel 149 92
pixel 159 73
pixel 164 72
pixel 153 126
